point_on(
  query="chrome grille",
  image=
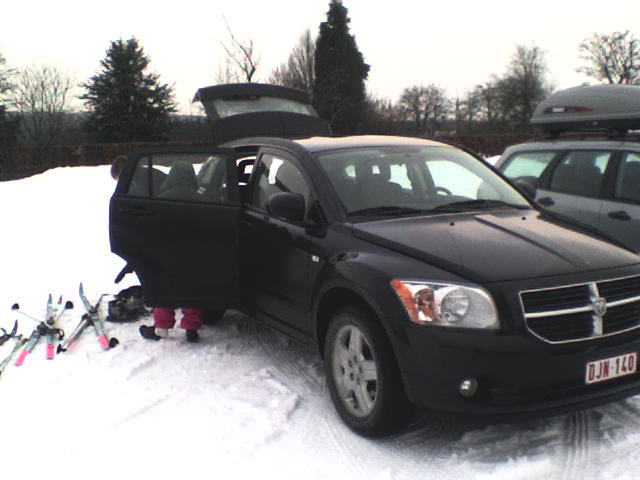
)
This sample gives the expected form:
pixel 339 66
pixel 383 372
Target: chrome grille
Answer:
pixel 582 312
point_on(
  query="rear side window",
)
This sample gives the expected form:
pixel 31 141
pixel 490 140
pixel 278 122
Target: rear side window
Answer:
pixel 528 166
pixel 198 177
pixel 628 180
pixel 581 173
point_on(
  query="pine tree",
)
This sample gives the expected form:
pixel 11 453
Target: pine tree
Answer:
pixel 125 103
pixel 340 73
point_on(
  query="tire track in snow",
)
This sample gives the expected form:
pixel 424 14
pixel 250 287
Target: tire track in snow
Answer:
pixel 293 363
pixel 620 418
pixel 429 446
pixel 578 454
pixel 139 412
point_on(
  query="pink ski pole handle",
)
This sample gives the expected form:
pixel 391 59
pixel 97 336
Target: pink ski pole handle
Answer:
pixel 50 351
pixel 21 358
pixel 103 341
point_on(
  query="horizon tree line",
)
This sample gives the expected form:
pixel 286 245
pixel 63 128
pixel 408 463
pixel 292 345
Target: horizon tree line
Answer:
pixel 124 102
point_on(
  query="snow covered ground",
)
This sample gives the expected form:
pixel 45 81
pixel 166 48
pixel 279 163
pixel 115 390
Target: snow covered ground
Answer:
pixel 243 403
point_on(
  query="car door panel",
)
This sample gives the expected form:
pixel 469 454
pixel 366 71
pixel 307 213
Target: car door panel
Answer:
pixel 622 221
pixel 621 214
pixel 574 183
pixel 584 209
pixel 275 252
pixel 185 252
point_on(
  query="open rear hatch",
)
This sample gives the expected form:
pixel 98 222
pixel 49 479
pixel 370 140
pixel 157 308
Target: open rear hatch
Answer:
pixel 601 107
pixel 255 109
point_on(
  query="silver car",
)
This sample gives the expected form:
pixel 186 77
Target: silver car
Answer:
pixel 592 176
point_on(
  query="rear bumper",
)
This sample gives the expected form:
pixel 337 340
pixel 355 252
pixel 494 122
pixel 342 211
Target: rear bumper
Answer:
pixel 517 377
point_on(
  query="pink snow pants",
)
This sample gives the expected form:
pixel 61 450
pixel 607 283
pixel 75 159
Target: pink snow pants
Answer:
pixel 164 317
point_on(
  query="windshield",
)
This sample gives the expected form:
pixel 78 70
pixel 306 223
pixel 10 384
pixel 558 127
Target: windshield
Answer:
pixel 415 180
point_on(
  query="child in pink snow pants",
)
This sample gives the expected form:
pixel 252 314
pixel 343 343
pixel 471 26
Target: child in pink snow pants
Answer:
pixel 164 318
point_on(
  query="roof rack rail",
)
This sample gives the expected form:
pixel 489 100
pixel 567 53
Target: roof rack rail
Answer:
pixel 600 133
pixel 593 135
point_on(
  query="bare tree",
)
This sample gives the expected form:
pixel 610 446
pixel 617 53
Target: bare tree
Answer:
pixel 525 83
pixel 471 107
pixel 42 95
pixel 5 73
pixel 227 73
pixel 614 58
pixel 382 116
pixel 427 106
pixel 8 124
pixel 242 61
pixel 412 104
pixel 299 70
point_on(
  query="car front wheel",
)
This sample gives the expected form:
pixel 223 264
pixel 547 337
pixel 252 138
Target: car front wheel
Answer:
pixel 362 374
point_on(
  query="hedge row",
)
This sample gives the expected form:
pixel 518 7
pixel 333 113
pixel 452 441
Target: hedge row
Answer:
pixel 21 162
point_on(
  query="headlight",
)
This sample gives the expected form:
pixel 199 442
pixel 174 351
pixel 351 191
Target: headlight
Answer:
pixel 447 305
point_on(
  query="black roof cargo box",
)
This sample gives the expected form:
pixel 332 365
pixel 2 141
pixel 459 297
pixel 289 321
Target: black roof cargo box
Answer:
pixel 595 107
pixel 255 109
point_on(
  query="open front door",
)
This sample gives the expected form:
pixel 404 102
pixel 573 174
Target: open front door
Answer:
pixel 174 219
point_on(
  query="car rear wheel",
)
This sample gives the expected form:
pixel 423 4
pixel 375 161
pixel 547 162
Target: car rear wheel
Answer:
pixel 362 374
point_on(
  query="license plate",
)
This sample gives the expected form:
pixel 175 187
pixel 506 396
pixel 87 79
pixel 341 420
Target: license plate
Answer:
pixel 608 368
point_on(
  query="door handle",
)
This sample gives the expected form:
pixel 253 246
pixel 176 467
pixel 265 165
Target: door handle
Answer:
pixel 620 215
pixel 136 212
pixel 547 201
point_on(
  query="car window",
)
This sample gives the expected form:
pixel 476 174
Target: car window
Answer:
pixel 199 177
pixel 528 166
pixel 628 180
pixel 454 178
pixel 580 172
pixel 227 107
pixel 275 175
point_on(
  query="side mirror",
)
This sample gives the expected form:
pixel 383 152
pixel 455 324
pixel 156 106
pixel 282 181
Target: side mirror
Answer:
pixel 527 189
pixel 287 205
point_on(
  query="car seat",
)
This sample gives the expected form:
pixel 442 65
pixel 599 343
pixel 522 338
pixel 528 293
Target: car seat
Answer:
pixel 181 182
pixel 374 189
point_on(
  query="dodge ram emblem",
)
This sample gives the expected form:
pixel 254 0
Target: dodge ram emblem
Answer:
pixel 600 306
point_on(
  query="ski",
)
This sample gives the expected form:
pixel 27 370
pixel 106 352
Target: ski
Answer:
pixel 45 328
pixel 19 343
pixel 92 317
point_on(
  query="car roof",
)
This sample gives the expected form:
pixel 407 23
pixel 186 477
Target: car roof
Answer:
pixel 320 144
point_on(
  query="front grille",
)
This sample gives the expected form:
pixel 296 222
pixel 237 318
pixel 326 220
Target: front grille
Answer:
pixel 583 312
pixel 556 299
pixel 618 289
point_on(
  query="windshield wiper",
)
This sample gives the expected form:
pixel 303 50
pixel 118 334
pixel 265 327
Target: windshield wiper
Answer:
pixel 385 210
pixel 465 205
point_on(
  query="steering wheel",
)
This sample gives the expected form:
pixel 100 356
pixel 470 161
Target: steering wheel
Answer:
pixel 446 191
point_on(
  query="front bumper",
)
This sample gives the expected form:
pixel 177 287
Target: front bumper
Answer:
pixel 517 376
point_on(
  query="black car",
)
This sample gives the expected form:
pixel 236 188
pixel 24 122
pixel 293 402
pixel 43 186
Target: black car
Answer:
pixel 421 275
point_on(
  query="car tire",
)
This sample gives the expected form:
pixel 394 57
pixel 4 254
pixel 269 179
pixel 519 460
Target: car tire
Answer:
pixel 363 376
pixel 212 316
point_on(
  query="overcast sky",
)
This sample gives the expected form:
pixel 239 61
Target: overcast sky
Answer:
pixel 456 44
